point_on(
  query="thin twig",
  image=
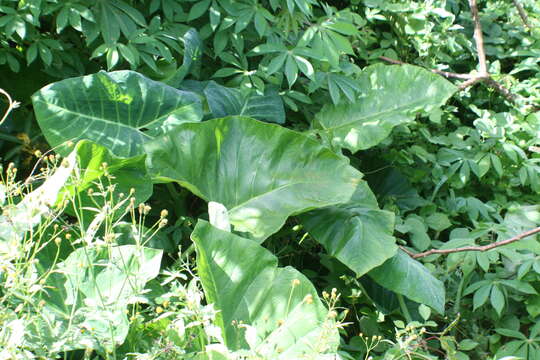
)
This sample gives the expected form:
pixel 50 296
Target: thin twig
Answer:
pixel 522 14
pixel 406 251
pixel 11 105
pixel 500 88
pixel 475 248
pixel 478 39
pixel 447 74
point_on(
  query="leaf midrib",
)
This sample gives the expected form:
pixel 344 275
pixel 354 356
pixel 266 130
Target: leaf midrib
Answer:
pixel 375 115
pixel 283 187
pixel 119 124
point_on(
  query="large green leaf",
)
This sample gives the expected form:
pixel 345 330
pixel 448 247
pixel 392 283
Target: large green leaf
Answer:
pixel 406 276
pixel 87 295
pixel 94 189
pixel 262 173
pixel 391 95
pixel 244 283
pixel 357 233
pixel 120 110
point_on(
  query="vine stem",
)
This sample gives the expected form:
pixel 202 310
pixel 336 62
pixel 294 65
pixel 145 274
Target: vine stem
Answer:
pixel 474 248
pixel 11 105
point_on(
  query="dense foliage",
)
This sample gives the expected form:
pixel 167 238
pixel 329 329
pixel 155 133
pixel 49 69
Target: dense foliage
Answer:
pixel 275 179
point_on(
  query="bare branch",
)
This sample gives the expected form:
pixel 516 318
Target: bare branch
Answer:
pixel 522 14
pixel 447 74
pixel 11 105
pixel 483 76
pixel 478 38
pixel 471 82
pixel 500 88
pixel 408 252
pixel 476 248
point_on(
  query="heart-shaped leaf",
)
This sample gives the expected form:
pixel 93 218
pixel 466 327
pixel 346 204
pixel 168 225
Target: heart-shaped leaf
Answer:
pixel 120 110
pixel 391 95
pixel 243 281
pixel 262 173
pixel 357 233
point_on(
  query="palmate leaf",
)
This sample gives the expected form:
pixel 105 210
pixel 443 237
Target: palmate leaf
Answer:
pixel 406 276
pixel 117 17
pixel 120 110
pixel 262 173
pixel 244 283
pixel 357 233
pixel 392 95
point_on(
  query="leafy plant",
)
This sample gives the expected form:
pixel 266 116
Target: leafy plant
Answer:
pixel 256 205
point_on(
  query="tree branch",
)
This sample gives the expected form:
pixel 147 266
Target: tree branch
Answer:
pixel 501 89
pixel 471 82
pixel 474 248
pixel 483 76
pixel 522 14
pixel 447 74
pixel 479 39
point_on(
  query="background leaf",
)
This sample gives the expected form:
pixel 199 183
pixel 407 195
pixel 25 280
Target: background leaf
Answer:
pixel 224 101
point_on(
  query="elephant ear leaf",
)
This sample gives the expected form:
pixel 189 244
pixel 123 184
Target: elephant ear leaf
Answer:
pixel 357 233
pixel 281 315
pixel 120 110
pixel 391 95
pixel 262 173
pixel 406 276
